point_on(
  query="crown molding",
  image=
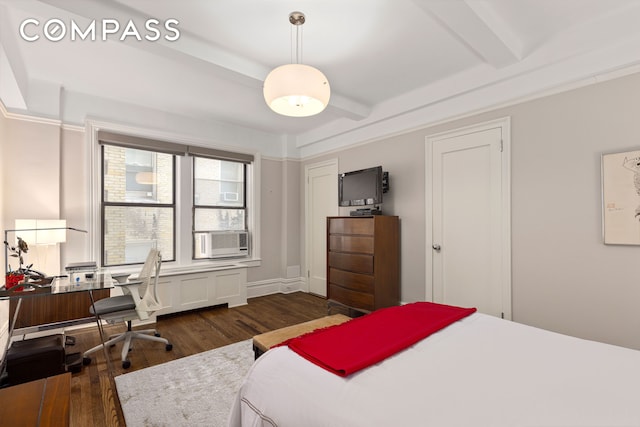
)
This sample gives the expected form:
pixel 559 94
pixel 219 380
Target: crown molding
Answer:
pixel 415 120
pixel 351 138
pixel 73 128
pixel 26 117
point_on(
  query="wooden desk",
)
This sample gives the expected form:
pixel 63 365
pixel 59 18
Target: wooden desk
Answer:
pixel 55 308
pixel 57 305
pixel 44 402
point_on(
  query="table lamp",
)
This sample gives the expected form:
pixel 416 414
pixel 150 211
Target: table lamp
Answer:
pixel 38 232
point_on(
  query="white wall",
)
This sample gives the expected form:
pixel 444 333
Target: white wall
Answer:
pixel 30 162
pixel 291 218
pixel 4 305
pixel 31 173
pixel 271 211
pixel 563 277
pixel 74 194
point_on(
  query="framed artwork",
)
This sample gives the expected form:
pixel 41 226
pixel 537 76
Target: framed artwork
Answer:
pixel 621 198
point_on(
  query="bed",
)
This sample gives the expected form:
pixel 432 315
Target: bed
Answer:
pixel 478 371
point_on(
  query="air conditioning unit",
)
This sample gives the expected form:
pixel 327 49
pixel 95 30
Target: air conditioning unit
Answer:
pixel 228 243
pixel 229 196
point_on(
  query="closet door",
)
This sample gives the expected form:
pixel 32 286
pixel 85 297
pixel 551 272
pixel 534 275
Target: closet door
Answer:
pixel 469 211
pixel 321 202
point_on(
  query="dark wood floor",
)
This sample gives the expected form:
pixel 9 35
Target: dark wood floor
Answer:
pixel 93 400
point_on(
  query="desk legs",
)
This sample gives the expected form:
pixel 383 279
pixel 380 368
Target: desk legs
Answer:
pixel 106 399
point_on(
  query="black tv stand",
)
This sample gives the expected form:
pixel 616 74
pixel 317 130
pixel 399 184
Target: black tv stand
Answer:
pixel 366 212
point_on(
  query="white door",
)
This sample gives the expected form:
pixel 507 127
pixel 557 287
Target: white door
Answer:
pixel 321 201
pixel 470 228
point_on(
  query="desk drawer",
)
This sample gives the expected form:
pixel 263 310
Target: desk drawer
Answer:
pixel 353 281
pixel 351 226
pixel 341 243
pixel 351 298
pixel 351 262
pixel 52 308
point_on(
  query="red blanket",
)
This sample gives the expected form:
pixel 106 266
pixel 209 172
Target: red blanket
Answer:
pixel 361 342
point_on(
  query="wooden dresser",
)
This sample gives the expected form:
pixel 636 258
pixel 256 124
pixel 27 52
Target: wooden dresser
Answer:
pixel 363 261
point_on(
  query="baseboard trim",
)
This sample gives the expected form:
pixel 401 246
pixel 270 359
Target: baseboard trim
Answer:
pixel 274 286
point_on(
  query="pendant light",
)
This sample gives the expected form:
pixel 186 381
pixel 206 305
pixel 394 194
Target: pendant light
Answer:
pixel 296 90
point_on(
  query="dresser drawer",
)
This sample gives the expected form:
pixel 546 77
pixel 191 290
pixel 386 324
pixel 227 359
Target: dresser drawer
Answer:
pixel 351 262
pixel 351 226
pixel 353 281
pixel 342 243
pixel 351 298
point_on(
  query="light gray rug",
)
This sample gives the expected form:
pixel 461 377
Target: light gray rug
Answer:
pixel 196 390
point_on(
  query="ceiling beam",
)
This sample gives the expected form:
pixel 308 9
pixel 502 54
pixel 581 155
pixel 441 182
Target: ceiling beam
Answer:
pixel 16 76
pixel 479 28
pixel 348 108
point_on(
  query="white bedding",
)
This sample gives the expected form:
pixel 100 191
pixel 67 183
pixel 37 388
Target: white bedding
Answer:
pixel 480 371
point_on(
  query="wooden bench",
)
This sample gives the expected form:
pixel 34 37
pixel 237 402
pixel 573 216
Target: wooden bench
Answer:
pixel 263 342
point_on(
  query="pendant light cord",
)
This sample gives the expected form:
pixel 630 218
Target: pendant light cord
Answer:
pixel 299 44
pixel 296 55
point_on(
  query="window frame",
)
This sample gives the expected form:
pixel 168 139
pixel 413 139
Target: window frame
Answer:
pixel 104 204
pixel 187 145
pixel 195 206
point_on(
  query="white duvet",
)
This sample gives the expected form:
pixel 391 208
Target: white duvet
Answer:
pixel 480 371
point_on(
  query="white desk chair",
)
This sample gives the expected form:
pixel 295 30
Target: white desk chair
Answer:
pixel 139 301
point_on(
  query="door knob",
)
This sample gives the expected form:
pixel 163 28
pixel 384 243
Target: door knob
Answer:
pixel 436 247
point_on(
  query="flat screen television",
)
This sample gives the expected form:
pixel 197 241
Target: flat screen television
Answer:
pixel 360 188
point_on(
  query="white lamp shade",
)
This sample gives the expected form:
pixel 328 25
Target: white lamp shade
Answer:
pixel 42 236
pixel 296 90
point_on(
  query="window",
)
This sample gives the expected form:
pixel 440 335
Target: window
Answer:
pixel 170 196
pixel 219 188
pixel 138 205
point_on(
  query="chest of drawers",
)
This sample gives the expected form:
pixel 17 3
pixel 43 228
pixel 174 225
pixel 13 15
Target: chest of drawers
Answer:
pixel 363 262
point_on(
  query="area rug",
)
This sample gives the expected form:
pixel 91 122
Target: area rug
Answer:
pixel 196 390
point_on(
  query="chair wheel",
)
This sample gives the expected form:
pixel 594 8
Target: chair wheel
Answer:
pixel 157 334
pixel 169 347
pixel 126 364
pixel 86 361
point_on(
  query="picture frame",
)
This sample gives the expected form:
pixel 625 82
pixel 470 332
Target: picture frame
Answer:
pixel 621 197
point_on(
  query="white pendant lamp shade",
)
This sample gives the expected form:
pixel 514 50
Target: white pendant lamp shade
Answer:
pixel 296 90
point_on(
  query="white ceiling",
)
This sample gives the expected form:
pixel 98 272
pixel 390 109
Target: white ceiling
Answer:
pixel 391 64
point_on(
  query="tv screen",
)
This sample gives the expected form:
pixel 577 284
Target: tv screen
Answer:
pixel 361 187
